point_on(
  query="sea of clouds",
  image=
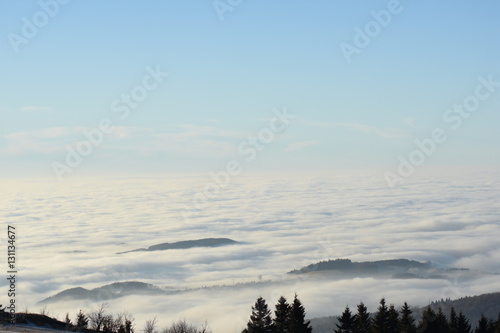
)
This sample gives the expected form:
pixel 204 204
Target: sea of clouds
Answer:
pixel 69 234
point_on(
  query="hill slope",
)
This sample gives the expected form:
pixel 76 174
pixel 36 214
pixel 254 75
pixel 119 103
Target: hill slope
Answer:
pixel 107 292
pixel 205 242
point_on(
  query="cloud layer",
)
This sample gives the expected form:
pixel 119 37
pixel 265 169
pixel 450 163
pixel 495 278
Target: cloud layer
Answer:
pixel 69 234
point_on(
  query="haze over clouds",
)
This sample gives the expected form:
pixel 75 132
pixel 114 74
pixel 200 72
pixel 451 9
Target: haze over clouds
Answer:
pixel 283 223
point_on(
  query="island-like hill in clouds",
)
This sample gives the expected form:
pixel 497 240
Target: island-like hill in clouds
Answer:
pixel 107 292
pixel 332 269
pixel 394 268
pixel 181 245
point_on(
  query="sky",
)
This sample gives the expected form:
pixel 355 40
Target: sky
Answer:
pixel 363 80
pixel 305 130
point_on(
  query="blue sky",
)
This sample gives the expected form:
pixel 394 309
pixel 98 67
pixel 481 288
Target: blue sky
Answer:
pixel 225 78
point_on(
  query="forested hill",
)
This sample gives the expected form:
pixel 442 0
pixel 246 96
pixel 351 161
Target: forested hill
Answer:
pixel 367 267
pixel 472 306
pixel 107 292
pixel 188 244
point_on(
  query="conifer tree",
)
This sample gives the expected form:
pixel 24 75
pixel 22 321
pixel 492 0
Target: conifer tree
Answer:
pixel 362 320
pixel 346 322
pixel 282 314
pixel 81 320
pixel 441 322
pixel 483 326
pixel 453 323
pixel 428 322
pixel 381 320
pixel 393 320
pixel 297 321
pixel 260 319
pixel 463 325
pixel 495 325
pixel 406 320
pixel 67 321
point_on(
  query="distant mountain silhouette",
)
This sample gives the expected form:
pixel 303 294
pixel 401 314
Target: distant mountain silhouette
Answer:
pixel 107 292
pixel 205 242
pixel 395 269
pixel 395 266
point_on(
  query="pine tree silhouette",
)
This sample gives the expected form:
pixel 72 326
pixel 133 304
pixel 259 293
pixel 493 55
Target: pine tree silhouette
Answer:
pixel 297 323
pixel 392 320
pixel 453 323
pixel 381 320
pixel 428 322
pixel 362 320
pixel 463 324
pixel 81 320
pixel 406 320
pixel 484 325
pixel 282 316
pixel 260 319
pixel 346 322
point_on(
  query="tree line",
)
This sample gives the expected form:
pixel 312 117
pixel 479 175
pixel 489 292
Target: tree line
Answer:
pixel 101 321
pixel 287 317
pixel 387 319
pixel 290 318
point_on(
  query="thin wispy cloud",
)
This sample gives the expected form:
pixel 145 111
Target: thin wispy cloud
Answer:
pixel 302 145
pixel 385 132
pixel 33 108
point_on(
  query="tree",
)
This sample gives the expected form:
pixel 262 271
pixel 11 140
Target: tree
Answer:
pixel 441 323
pixel 346 322
pixel 67 321
pixel 109 324
pixel 150 326
pixel 281 316
pixel 463 325
pixel 428 321
pixel 180 327
pixel 183 327
pixel 98 317
pixel 381 320
pixel 128 321
pixel 393 320
pixel 260 319
pixel 495 325
pixel 81 320
pixel 297 321
pixel 453 323
pixel 483 326
pixel 406 320
pixel 362 320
